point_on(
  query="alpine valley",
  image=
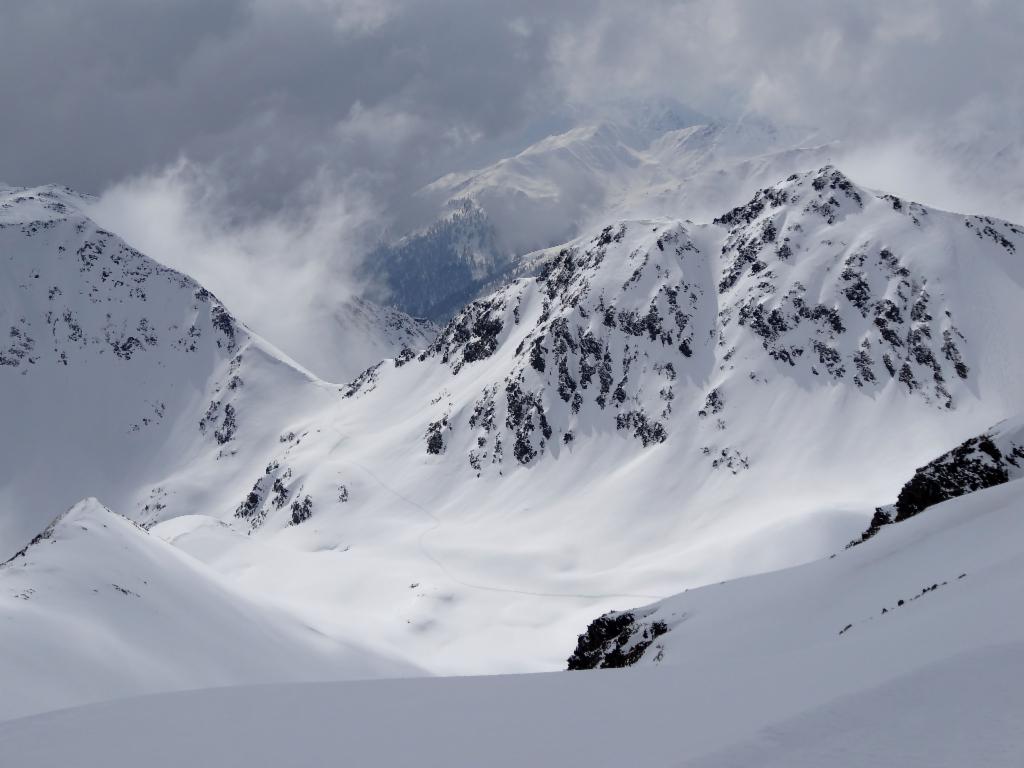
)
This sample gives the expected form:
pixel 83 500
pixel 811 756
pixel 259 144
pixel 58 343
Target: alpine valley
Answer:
pixel 752 429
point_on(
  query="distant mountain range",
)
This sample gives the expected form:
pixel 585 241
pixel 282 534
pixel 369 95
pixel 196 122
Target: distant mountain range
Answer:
pixel 650 159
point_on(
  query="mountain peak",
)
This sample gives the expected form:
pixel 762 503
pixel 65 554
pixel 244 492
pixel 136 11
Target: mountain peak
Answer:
pixel 49 202
pixel 815 279
pixel 95 607
pixel 83 514
pixel 826 191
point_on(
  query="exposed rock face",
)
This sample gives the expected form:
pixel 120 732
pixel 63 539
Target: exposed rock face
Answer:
pixel 618 317
pixel 974 465
pixel 615 640
pixel 874 321
pixel 270 492
pixel 992 458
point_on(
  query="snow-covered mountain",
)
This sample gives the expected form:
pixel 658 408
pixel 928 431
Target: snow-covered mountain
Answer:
pixel 118 372
pixel 616 324
pixel 906 650
pixel 629 166
pixel 994 458
pixel 665 404
pixel 96 608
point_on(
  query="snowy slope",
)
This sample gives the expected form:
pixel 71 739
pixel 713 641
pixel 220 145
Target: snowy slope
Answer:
pixel 918 593
pixel 760 671
pixel 118 372
pixel 96 608
pixel 666 405
pixel 365 333
pixel 625 638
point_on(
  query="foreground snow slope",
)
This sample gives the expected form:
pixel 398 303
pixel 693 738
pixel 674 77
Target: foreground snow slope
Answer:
pixel 97 608
pixel 988 460
pixel 759 671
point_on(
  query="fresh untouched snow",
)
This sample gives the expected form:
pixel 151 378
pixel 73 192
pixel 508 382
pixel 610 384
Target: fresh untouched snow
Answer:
pixel 795 669
pixel 97 608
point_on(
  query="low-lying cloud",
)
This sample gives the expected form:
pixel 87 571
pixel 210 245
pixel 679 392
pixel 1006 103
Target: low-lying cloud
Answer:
pixel 278 271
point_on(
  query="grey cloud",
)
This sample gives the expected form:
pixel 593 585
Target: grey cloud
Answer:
pixel 269 92
pixel 112 88
pixel 845 66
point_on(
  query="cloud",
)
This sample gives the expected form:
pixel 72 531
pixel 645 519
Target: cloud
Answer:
pixel 928 95
pixel 100 91
pixel 271 92
pixel 282 273
pixel 848 67
pixel 975 179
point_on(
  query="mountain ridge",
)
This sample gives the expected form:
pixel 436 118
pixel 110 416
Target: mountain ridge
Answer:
pixel 634 419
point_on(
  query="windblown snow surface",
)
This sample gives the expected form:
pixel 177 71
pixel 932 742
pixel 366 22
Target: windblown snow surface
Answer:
pixel 97 608
pixel 811 666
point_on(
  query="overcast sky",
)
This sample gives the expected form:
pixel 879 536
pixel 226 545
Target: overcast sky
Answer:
pixel 257 120
pixel 269 92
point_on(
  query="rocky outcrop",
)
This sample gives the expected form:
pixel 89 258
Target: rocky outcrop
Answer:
pixel 992 458
pixel 879 321
pixel 615 640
